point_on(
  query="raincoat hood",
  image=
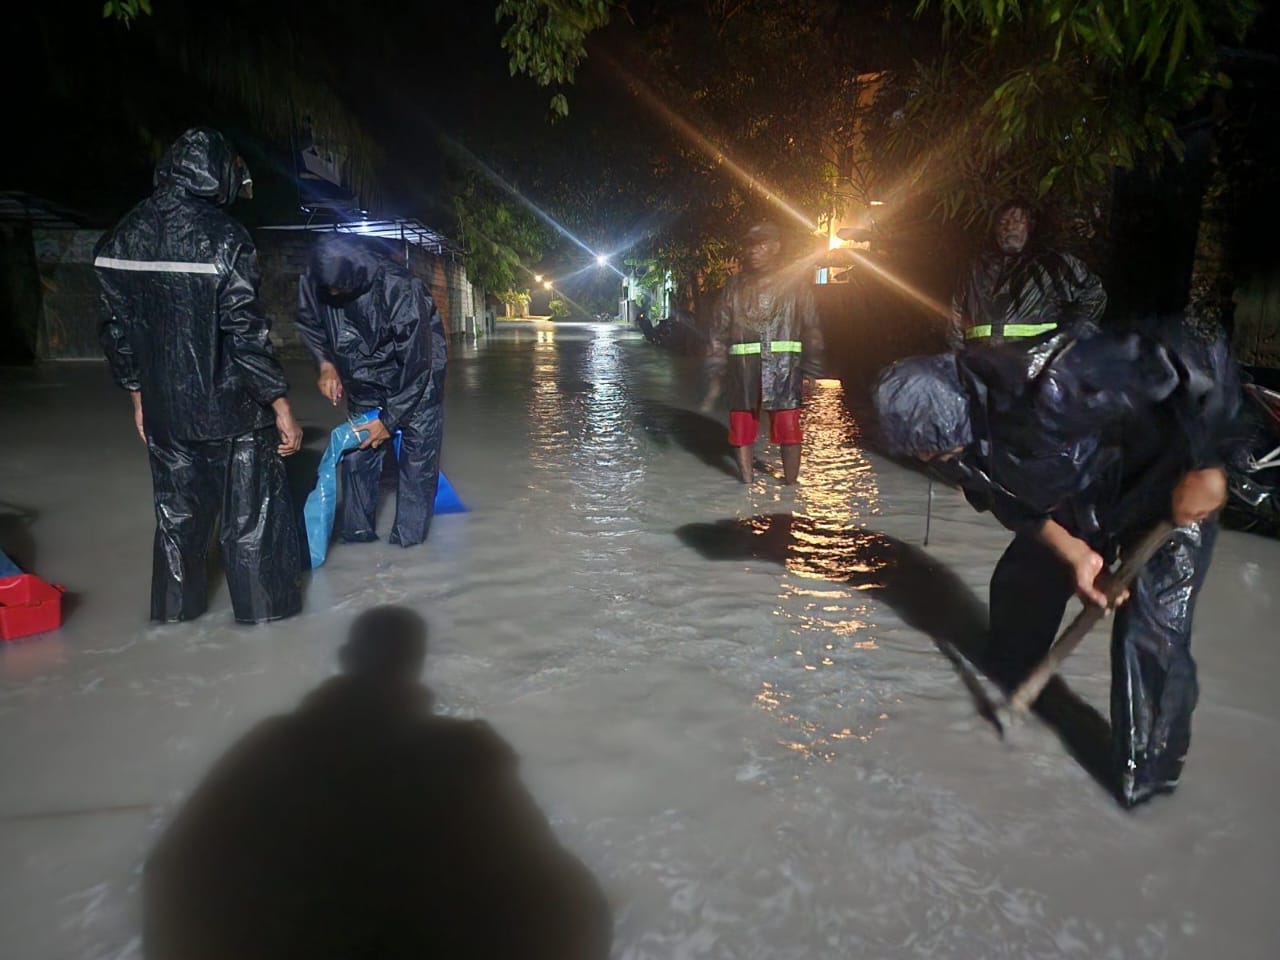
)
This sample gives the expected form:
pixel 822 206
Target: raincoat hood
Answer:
pixel 203 163
pixel 345 262
pixel 922 406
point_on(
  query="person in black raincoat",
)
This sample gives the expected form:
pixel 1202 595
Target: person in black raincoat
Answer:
pixel 1022 289
pixel 378 341
pixel 765 348
pixel 1080 445
pixel 185 334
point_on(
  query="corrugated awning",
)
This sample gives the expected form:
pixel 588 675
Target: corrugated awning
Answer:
pixel 410 231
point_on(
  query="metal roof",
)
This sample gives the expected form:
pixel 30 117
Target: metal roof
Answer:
pixel 410 231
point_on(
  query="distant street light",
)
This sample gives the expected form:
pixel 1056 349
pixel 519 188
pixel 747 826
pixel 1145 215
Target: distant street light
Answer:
pixel 537 278
pixel 547 285
pixel 602 260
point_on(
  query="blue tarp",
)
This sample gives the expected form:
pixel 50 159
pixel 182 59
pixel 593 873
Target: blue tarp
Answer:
pixel 321 505
pixel 10 569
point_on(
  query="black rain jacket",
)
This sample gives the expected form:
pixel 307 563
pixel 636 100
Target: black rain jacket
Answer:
pixel 1034 287
pixel 757 312
pixel 179 282
pixel 1093 432
pixel 383 333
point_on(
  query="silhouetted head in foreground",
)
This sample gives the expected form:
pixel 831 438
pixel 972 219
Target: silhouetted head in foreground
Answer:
pixel 387 645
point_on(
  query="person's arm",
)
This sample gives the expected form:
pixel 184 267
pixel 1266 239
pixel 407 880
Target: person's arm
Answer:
pixel 439 349
pixel 124 368
pixel 812 357
pixel 246 328
pixel 248 334
pixel 314 334
pixel 115 345
pixel 1086 563
pixel 716 363
pixel 1084 292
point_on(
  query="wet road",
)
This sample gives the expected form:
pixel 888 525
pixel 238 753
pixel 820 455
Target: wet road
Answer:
pixel 734 704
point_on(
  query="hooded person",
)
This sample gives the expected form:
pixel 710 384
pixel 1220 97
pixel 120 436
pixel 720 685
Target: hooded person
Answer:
pixel 185 335
pixel 765 349
pixel 379 342
pixel 1080 446
pixel 1020 289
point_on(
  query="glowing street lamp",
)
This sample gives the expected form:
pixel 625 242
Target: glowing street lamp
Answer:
pixel 546 285
pixel 537 278
pixel 602 260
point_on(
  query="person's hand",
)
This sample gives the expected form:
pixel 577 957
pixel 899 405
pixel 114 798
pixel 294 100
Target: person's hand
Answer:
pixel 1198 494
pixel 378 434
pixel 1087 568
pixel 330 383
pixel 137 414
pixel 290 432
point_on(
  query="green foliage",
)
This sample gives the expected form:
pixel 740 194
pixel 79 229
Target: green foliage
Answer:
pixel 559 309
pixel 500 238
pixel 1045 98
pixel 546 39
pixel 518 299
pixel 126 11
pixel 734 104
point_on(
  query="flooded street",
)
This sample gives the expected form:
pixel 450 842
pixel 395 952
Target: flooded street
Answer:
pixel 736 705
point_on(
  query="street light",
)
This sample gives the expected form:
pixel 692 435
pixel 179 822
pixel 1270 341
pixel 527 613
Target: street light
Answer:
pixel 547 285
pixel 602 260
pixel 537 278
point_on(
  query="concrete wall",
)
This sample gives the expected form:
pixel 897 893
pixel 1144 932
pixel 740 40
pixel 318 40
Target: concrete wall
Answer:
pixel 19 294
pixel 70 313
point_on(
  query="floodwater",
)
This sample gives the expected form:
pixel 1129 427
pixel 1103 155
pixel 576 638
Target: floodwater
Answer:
pixel 737 706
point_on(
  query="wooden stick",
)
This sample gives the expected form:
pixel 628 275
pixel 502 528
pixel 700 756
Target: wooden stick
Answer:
pixel 1022 698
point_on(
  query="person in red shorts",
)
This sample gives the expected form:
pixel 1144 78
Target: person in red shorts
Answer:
pixel 766 349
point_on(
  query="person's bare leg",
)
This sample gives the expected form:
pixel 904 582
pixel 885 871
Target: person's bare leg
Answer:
pixel 743 455
pixel 790 463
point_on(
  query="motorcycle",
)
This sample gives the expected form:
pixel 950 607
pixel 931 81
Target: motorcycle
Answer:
pixel 1253 473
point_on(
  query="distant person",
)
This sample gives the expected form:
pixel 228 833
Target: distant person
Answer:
pixel 363 825
pixel 1021 289
pixel 765 351
pixel 185 334
pixel 379 342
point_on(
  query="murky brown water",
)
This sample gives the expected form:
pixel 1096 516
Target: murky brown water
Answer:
pixel 734 704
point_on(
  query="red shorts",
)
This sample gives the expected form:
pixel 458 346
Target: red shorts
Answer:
pixel 784 427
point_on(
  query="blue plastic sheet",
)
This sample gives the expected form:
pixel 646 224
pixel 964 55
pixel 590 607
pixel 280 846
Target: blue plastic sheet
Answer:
pixel 322 503
pixel 10 569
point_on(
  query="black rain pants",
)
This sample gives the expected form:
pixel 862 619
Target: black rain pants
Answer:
pixel 239 485
pixel 418 475
pixel 1153 677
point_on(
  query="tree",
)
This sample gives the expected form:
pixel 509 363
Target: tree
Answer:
pixel 547 39
pixel 499 237
pixel 1045 98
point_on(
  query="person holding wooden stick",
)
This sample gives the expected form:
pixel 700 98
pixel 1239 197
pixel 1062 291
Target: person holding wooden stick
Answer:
pixel 1081 446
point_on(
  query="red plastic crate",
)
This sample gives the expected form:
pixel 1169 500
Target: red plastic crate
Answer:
pixel 28 605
